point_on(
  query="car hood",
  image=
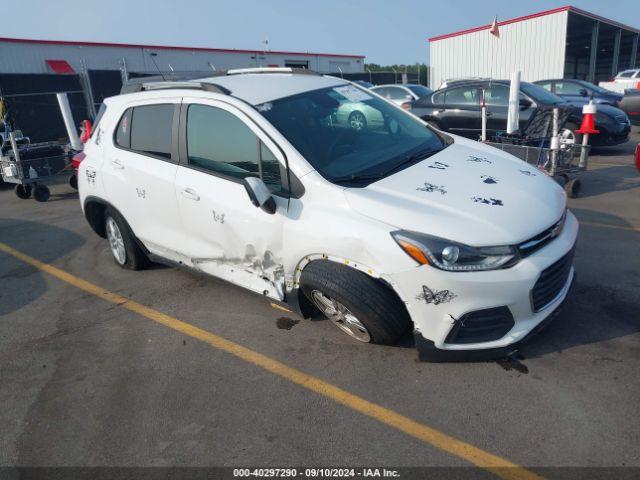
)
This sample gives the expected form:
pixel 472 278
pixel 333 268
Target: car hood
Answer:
pixel 468 192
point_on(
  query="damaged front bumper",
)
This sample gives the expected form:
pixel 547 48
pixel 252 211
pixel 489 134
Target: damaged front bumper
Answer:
pixel 480 315
pixel 428 352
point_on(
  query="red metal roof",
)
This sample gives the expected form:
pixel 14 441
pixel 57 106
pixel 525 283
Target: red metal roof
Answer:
pixel 60 66
pixel 535 15
pixel 168 47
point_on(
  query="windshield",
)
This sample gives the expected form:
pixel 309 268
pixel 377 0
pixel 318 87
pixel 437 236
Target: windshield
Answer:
pixel 420 90
pixel 540 94
pixel 346 133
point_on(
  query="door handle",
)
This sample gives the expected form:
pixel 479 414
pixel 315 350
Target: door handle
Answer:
pixel 489 114
pixel 117 164
pixel 190 194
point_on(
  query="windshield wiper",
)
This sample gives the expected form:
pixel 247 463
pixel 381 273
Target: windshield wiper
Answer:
pixel 414 157
pixel 356 177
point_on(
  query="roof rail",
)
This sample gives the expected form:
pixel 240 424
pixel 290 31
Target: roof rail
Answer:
pixel 189 80
pixel 295 70
pixel 146 86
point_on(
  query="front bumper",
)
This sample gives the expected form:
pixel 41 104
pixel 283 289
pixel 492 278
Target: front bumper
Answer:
pixel 608 138
pixel 428 352
pixel 456 295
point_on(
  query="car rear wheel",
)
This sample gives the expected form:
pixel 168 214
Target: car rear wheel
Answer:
pixel 124 248
pixel 359 305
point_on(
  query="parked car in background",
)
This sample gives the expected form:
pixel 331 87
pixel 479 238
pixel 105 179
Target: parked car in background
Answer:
pixel 401 94
pixel 457 109
pixel 623 81
pixel 578 91
pixel 363 83
pixel 631 105
pixel 381 230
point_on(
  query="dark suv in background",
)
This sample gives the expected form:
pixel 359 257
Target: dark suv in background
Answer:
pixel 457 109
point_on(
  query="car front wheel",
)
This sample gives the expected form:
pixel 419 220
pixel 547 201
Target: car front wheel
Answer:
pixel 359 305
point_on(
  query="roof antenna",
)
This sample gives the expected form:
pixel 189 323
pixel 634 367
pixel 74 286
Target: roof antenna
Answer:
pixel 153 55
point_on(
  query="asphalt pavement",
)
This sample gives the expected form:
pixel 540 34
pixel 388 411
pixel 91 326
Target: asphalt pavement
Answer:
pixel 87 382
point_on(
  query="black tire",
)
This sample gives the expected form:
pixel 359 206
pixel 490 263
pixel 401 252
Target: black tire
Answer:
pixel 573 127
pixel 41 193
pixel 135 258
pixel 23 191
pixel 375 305
pixel 73 182
pixel 357 121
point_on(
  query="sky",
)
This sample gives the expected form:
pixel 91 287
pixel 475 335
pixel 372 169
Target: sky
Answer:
pixel 385 31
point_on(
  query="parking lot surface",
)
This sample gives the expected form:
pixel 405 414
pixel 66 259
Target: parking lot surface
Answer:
pixel 88 381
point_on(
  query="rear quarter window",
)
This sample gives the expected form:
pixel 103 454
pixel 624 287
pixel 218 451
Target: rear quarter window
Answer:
pixel 122 137
pixel 151 130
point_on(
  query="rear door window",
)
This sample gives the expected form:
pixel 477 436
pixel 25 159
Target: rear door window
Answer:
pixel 151 130
pixel 463 96
pixel 568 88
pixel 397 93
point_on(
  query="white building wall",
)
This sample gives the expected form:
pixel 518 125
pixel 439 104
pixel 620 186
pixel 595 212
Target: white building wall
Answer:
pixel 535 47
pixel 23 57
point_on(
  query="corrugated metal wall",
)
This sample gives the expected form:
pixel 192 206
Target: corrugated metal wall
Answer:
pixel 535 47
pixel 17 57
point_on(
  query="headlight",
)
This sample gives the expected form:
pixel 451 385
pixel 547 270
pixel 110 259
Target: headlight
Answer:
pixel 453 256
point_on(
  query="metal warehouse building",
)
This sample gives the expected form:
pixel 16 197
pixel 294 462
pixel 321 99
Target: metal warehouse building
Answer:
pixel 562 43
pixel 48 56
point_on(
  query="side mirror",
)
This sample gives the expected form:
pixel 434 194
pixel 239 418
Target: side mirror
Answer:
pixel 583 92
pixel 525 103
pixel 259 194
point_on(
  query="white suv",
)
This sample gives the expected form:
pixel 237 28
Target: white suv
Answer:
pixel 250 176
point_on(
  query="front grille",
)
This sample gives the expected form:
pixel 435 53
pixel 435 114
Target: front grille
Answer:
pixel 543 238
pixel 481 326
pixel 551 282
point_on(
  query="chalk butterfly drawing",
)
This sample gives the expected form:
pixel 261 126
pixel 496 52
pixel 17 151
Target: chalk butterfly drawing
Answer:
pixel 430 187
pixel 439 166
pixel 436 297
pixel 488 201
pixel 473 158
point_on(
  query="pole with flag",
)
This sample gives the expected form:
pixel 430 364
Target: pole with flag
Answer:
pixel 495 31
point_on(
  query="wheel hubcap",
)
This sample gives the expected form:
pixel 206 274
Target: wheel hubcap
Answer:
pixel 357 122
pixel 116 242
pixel 341 316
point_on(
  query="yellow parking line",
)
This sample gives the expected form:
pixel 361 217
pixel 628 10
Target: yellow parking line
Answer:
pixel 499 466
pixel 606 225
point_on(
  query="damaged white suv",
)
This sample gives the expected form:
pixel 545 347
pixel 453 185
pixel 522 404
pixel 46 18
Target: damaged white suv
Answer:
pixel 252 176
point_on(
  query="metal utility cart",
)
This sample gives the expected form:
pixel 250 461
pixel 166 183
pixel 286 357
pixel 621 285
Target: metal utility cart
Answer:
pixel 31 166
pixel 563 159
